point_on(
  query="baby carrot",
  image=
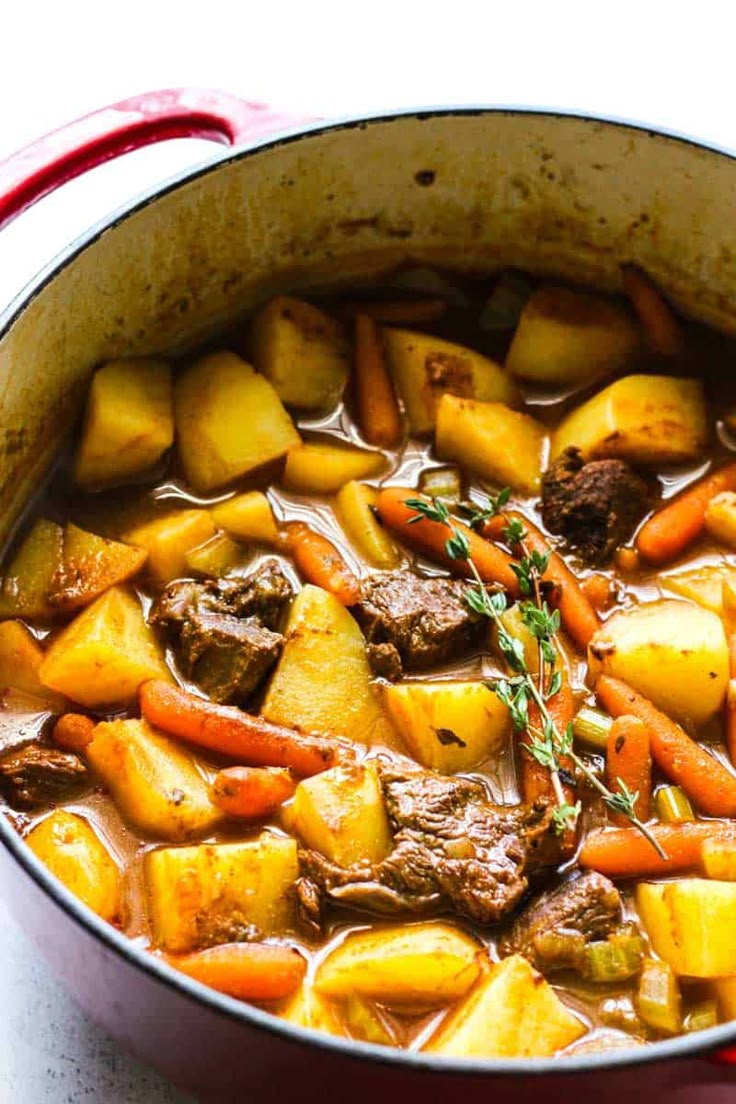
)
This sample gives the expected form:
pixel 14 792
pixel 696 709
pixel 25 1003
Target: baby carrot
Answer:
pixel 629 760
pixel 626 853
pixel 73 731
pixel 536 781
pixel 709 784
pixel 676 525
pixel 577 615
pixel 247 971
pixel 320 563
pixel 598 590
pixel 662 331
pixel 379 416
pixel 231 732
pixel 399 312
pixel 251 792
pixel 430 537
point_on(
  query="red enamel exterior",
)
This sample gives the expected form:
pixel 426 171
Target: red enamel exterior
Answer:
pixel 208 1044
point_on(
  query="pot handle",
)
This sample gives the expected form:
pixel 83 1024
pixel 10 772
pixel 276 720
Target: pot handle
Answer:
pixel 61 155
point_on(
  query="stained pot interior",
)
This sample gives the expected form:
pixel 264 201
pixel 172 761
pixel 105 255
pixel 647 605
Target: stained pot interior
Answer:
pixel 477 191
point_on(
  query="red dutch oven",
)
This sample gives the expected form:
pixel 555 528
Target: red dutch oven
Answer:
pixel 302 206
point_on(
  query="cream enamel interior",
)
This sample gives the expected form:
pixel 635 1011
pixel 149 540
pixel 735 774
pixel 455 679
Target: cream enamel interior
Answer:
pixel 552 194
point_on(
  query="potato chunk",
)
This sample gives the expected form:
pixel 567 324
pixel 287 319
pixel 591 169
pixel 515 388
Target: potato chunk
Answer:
pixel 167 541
pixel 303 352
pixel 308 1009
pixel 217 893
pixel 569 337
pixel 128 423
pixel 416 965
pixel 28 580
pixel 512 1013
pixel 104 655
pixel 321 468
pixel 448 726
pixel 720 518
pixel 425 367
pixel 21 657
pixel 323 679
pixel 672 652
pixel 74 853
pixel 502 445
pixel 703 585
pixel 90 565
pixel 216 557
pixel 229 421
pixel 156 783
pixel 368 537
pixel 648 420
pixel 247 517
pixel 341 813
pixel 690 924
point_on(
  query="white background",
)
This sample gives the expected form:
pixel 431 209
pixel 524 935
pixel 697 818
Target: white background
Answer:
pixel 664 63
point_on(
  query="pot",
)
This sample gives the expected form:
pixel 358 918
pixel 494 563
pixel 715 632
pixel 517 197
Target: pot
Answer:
pixel 294 204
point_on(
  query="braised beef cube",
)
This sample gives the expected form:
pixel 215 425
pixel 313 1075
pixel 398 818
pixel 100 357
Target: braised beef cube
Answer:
pixel 37 776
pixel 552 931
pixel 427 620
pixel 228 657
pixel 385 661
pixel 594 506
pixel 264 594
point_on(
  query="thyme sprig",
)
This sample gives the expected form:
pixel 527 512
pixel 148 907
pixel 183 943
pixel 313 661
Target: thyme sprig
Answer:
pixel 545 743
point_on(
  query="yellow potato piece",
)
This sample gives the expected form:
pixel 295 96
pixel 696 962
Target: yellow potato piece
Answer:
pixel 229 421
pixel 649 420
pixel 502 445
pixel 157 784
pixel 21 657
pixel 216 893
pixel 703 585
pixel 104 655
pixel 425 367
pixel 91 565
pixel 216 557
pixel 29 578
pixel 690 922
pixel 128 422
pixel 303 352
pixel 308 1009
pixel 340 812
pixel 247 517
pixel 167 541
pixel 370 540
pixel 74 853
pixel 320 468
pixel 448 726
pixel 417 965
pixel 569 337
pixel 512 1013
pixel 323 682
pixel 720 518
pixel 719 859
pixel 672 652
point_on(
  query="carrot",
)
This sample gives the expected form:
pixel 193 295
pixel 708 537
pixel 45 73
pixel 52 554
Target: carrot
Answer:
pixel 379 416
pixel 251 792
pixel 536 781
pixel 729 624
pixel 73 731
pixel 247 971
pixel 320 563
pixel 598 590
pixel 629 760
pixel 662 331
pixel 400 312
pixel 429 539
pixel 709 784
pixel 670 530
pixel 626 853
pixel 577 615
pixel 231 732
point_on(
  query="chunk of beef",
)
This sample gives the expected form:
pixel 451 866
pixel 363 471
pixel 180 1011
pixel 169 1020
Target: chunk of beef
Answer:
pixel 224 629
pixel 36 776
pixel 452 849
pixel 426 620
pixel 385 661
pixel 594 506
pixel 553 930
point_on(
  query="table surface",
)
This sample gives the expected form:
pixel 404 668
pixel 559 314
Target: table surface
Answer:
pixel 63 60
